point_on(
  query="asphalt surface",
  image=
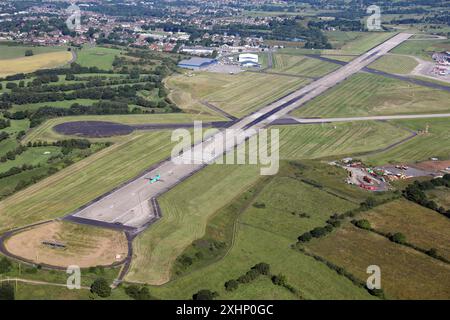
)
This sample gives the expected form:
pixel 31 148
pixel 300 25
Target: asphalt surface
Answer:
pixel 130 205
pixel 350 119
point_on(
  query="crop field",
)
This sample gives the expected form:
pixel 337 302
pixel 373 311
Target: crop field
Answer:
pixel 301 65
pixel 45 131
pixel 422 227
pixel 441 196
pixel 395 64
pixel 405 272
pixel 238 94
pixel 370 95
pixel 33 63
pixel 421 48
pixel 99 57
pixel 85 180
pixel 422 147
pixel 254 241
pixel 9 50
pixel 315 141
pixel 85 246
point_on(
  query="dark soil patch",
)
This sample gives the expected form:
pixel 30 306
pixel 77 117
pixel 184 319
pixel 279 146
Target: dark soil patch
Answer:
pixel 93 129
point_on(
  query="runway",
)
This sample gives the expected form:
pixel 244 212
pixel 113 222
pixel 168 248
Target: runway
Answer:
pixel 130 206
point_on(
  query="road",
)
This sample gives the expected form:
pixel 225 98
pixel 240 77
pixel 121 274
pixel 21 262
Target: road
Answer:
pixel 393 117
pixel 130 205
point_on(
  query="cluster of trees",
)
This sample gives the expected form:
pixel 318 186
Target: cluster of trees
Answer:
pixel 99 93
pixel 205 294
pixel 138 293
pixel 416 192
pixel 101 288
pixel 4 123
pixel 338 23
pixel 336 219
pixel 252 274
pixel 16 170
pixel 11 155
pixel 341 271
pixel 7 291
pixel 3 135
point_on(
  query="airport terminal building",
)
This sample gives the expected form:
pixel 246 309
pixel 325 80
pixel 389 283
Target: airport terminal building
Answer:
pixel 249 60
pixel 196 63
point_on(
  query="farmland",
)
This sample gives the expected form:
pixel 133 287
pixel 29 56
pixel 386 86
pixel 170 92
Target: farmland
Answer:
pixel 238 94
pixel 85 180
pixel 99 57
pixel 11 50
pixel 422 48
pixel 33 63
pixel 406 273
pixel 422 147
pixel 253 240
pixel 314 141
pixel 441 196
pixel 367 94
pixel 395 64
pixel 422 227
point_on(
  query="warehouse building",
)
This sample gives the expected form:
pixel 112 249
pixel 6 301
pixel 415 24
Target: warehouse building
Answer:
pixel 249 60
pixel 196 63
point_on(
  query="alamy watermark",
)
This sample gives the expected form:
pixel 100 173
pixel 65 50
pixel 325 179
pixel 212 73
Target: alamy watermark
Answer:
pixel 74 278
pixel 231 146
pixel 374 280
pixel 73 22
pixel 373 22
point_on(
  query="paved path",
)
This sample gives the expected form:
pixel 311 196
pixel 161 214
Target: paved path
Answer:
pixel 349 119
pixel 35 282
pixel 130 205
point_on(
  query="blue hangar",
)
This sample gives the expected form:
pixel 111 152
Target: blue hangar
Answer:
pixel 196 63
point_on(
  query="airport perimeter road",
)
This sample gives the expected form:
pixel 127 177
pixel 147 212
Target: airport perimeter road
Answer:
pixel 394 117
pixel 130 205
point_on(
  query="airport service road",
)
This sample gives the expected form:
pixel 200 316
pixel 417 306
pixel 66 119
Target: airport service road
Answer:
pixel 394 117
pixel 130 205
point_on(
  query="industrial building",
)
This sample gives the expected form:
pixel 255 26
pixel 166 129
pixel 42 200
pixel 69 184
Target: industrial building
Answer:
pixel 198 51
pixel 249 60
pixel 196 63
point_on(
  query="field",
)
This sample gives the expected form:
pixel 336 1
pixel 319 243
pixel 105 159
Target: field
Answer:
pixel 422 227
pixel 45 132
pixel 9 50
pixel 85 180
pixel 238 94
pixel 33 63
pixel 405 273
pixel 56 104
pixel 85 246
pixel 254 241
pixel 314 141
pixel 99 57
pixel 32 156
pixel 395 64
pixel 346 43
pixel 441 196
pixel 422 147
pixel 301 65
pixel 369 95
pixel 422 48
